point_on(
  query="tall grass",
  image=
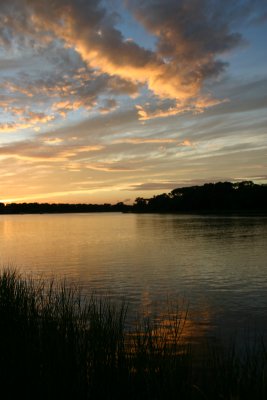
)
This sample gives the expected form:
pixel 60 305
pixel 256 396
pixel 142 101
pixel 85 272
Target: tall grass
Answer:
pixel 57 344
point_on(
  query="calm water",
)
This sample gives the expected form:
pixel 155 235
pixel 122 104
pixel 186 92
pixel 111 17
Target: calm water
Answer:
pixel 217 265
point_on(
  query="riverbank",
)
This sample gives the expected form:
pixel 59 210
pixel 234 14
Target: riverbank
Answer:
pixel 57 344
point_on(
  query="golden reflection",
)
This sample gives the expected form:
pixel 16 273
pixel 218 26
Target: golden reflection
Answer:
pixel 168 336
pixel 172 322
pixel 183 326
pixel 6 229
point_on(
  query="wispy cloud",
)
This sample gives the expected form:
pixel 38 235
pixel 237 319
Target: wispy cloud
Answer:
pixel 37 151
pixel 164 186
pixel 136 140
pixel 52 195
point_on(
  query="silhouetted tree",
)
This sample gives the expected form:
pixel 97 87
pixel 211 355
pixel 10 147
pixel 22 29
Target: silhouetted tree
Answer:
pixel 210 197
pixel 140 204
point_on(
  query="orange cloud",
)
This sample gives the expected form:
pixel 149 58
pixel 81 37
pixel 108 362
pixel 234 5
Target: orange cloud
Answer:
pixel 145 115
pixel 38 118
pixel 110 53
pixel 112 166
pixel 196 105
pixel 13 127
pixel 63 107
pixel 25 119
pixel 145 140
pixel 53 141
pixel 186 142
pixel 188 40
pixel 84 149
pixel 11 87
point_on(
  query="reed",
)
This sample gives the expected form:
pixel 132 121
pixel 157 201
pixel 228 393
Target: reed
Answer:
pixel 56 343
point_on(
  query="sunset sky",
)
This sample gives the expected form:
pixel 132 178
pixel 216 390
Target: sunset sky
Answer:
pixel 105 101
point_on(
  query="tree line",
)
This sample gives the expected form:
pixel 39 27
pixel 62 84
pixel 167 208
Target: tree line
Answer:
pixel 54 208
pixel 210 197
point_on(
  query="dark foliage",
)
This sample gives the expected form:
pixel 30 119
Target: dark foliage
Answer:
pixel 212 197
pixel 40 208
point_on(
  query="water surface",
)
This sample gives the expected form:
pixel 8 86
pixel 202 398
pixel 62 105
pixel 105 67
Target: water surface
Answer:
pixel 218 265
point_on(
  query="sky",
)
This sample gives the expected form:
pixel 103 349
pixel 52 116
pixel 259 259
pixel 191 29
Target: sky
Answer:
pixel 110 100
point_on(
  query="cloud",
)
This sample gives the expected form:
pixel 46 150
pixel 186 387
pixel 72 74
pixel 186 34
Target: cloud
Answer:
pixel 191 36
pixel 196 30
pixel 53 80
pixel 25 119
pixel 114 166
pixel 53 141
pixel 34 118
pixel 136 140
pixel 57 95
pixel 50 150
pixel 190 39
pixel 108 106
pixel 13 88
pixel 162 110
pixel 186 143
pixel 13 127
pixel 171 185
pixel 154 186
